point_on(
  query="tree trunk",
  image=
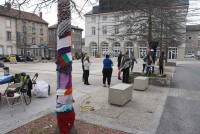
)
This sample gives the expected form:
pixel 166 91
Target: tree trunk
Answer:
pixel 161 34
pixel 150 27
pixel 64 107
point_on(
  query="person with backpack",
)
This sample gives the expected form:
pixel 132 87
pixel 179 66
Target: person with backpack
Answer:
pixel 86 70
pixel 107 70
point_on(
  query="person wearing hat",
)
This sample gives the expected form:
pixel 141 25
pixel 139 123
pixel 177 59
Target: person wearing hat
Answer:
pixel 107 70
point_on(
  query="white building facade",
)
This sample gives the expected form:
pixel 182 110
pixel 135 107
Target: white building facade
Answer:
pixel 99 30
pixel 7 36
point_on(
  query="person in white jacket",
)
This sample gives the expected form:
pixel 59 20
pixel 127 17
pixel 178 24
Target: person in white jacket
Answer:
pixel 86 70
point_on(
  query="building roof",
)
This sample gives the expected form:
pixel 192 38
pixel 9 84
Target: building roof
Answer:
pixel 106 6
pixel 193 28
pixel 17 14
pixel 73 27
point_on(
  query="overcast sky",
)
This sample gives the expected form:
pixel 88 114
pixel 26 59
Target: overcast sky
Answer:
pixel 50 14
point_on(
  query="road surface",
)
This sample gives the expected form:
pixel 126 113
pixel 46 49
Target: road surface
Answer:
pixel 181 114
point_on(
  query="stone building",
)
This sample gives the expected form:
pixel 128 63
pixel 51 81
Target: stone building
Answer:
pixel 76 39
pixel 193 39
pixel 23 33
pixel 102 22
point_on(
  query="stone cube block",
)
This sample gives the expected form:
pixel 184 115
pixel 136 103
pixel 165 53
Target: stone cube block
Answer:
pixel 120 94
pixel 141 83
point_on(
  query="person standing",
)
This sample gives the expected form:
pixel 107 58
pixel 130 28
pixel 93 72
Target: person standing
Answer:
pixel 125 67
pixel 161 63
pixel 149 62
pixel 86 70
pixel 119 59
pixel 107 70
pixel 132 57
pixel 82 61
pixel 144 62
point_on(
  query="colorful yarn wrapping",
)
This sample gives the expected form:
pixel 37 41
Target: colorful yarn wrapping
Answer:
pixel 64 101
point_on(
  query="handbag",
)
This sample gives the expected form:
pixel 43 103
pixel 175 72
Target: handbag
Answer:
pixel 10 93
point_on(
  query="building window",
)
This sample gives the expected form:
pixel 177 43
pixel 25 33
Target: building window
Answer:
pixel 93 19
pixel 93 31
pixel 33 41
pixel 116 49
pixel 9 50
pixel 104 30
pixel 116 29
pixel 41 40
pixel 129 47
pixel 1 50
pixel 172 53
pixel 8 33
pixel 18 37
pixel 104 48
pixel 104 18
pixel 24 40
pixel 24 29
pixel 143 52
pixel 33 28
pixel 94 49
pixel 41 31
pixel 8 23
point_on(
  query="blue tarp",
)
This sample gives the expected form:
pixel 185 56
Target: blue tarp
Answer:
pixel 6 79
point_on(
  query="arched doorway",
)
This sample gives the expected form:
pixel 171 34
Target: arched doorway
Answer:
pixel 104 48
pixel 116 48
pixel 93 49
pixel 129 47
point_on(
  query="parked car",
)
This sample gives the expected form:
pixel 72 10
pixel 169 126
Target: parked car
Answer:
pixel 2 58
pixel 20 58
pixel 189 56
pixel 29 58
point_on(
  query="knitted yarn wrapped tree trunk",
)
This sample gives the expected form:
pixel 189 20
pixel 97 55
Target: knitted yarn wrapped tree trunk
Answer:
pixel 64 106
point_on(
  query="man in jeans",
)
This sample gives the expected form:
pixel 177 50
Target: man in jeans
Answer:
pixel 107 70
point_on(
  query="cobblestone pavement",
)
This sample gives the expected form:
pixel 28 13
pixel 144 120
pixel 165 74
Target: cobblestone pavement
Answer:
pixel 140 116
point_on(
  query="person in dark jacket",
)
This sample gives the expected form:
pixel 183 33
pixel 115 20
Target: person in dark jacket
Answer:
pixel 144 62
pixel 82 61
pixel 119 59
pixel 107 70
pixel 161 63
pixel 149 62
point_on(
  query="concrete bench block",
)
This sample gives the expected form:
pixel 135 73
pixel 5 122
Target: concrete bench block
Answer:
pixel 120 94
pixel 141 83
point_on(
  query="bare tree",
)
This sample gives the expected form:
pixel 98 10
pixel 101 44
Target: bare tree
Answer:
pixel 153 20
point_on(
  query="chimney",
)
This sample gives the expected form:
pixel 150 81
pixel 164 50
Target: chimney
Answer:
pixel 40 14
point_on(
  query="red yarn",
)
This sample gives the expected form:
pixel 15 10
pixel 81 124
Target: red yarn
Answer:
pixel 65 121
